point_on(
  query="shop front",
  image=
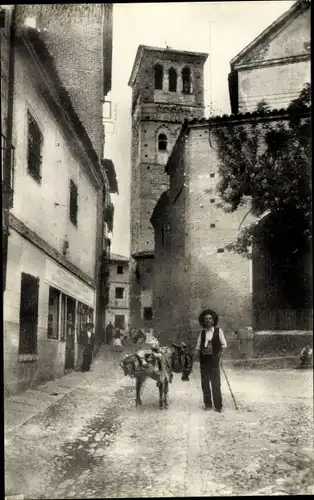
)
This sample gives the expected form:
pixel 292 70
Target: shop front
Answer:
pixel 71 306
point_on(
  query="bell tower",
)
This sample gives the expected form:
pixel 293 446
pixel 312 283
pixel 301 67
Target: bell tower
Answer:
pixel 167 88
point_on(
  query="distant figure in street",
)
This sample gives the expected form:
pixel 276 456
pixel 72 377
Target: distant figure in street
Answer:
pixel 89 348
pixel 117 344
pixel 306 356
pixel 209 347
pixel 109 333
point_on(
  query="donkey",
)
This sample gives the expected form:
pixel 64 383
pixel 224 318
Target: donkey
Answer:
pixel 161 371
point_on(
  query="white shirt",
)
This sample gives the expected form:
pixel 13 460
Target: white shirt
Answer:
pixel 208 337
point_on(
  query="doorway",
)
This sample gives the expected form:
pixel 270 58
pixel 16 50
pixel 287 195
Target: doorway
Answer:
pixel 70 334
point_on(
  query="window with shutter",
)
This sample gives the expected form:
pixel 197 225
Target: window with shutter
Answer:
pixel 34 143
pixel 73 202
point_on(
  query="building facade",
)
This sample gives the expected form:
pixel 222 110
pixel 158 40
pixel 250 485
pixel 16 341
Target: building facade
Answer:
pixel 167 87
pixel 192 268
pixel 274 67
pixel 57 229
pixel 118 305
pixel 80 38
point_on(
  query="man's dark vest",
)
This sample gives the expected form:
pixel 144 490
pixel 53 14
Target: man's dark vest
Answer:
pixel 216 345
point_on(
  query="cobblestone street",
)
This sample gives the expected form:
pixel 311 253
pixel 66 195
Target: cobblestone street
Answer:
pixel 94 442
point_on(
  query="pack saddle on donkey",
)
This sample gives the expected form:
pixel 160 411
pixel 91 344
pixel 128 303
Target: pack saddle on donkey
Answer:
pixel 158 363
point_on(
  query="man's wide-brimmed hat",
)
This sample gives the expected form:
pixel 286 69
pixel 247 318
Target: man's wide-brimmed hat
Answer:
pixel 213 314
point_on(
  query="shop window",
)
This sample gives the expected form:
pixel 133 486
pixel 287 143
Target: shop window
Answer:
pixel 172 80
pixel 34 143
pixel 186 80
pixel 53 314
pixel 28 314
pixel 162 142
pixel 148 313
pixel 119 269
pixel 119 321
pixel 119 293
pixel 73 202
pixel 159 76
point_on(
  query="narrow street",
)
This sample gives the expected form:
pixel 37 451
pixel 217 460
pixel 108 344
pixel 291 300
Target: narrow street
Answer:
pixel 94 442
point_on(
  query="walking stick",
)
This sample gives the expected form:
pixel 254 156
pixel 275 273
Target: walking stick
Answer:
pixel 235 403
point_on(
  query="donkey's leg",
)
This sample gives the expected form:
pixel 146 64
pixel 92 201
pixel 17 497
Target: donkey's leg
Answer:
pixel 138 385
pixel 166 390
pixel 161 390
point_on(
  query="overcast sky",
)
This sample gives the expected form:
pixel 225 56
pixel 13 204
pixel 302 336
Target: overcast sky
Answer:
pixel 221 29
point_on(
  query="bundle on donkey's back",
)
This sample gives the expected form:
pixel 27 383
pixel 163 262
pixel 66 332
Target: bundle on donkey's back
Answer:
pixel 157 363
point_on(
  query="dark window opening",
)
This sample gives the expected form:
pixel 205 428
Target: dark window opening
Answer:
pixel 148 313
pixel 213 225
pixel 119 321
pixel 119 293
pixel 172 80
pixel 73 202
pixel 53 314
pixel 162 142
pixel 28 314
pixel 212 200
pixel 212 175
pixel 34 143
pixel 85 315
pixel 162 236
pixel 119 269
pixel 159 76
pixel 186 80
pixel 220 250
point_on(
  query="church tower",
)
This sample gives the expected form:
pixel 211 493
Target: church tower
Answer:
pixel 167 87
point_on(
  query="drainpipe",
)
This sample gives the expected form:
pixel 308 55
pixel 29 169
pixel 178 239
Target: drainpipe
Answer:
pixel 7 195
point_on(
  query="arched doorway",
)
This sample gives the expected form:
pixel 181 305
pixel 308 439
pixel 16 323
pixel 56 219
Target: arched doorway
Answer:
pixel 282 274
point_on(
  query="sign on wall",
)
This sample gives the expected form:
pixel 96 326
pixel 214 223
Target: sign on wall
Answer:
pixel 69 284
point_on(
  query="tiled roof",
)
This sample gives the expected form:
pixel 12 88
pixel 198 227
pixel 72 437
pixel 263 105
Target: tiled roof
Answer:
pixel 241 116
pixel 143 254
pixel 111 175
pixel 114 257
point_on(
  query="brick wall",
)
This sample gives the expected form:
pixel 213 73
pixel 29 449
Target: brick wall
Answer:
pixel 74 34
pixel 44 207
pixel 5 48
pixel 155 112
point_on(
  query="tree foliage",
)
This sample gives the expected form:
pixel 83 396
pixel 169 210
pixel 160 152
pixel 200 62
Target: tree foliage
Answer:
pixel 267 161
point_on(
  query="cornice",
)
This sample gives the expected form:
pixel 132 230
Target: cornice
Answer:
pixel 273 62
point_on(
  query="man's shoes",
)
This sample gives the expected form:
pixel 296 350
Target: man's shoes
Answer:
pixel 218 410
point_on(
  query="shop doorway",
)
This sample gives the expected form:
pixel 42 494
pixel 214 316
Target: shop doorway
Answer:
pixel 70 334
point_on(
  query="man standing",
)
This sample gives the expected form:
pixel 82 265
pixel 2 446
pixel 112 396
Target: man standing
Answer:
pixel 209 347
pixel 109 333
pixel 89 347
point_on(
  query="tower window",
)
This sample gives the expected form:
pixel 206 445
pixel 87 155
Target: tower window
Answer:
pixel 186 80
pixel 172 80
pixel 159 76
pixel 162 142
